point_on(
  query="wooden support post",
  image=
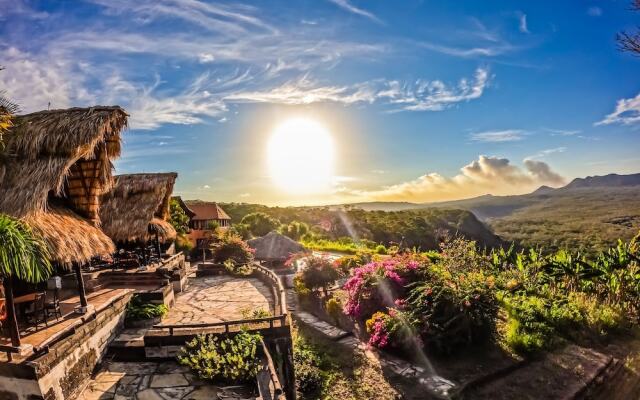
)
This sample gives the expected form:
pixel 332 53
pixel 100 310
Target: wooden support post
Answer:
pixel 11 311
pixel 158 245
pixel 81 291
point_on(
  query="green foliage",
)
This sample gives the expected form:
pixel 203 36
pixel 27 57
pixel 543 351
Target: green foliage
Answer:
pixel 334 308
pixel 452 308
pixel 255 313
pixel 299 286
pixel 237 269
pixel 232 359
pixel 177 217
pixel 259 224
pixel 137 310
pixel 240 230
pixel 343 244
pixel 183 243
pixel 552 222
pixel 307 365
pixel 23 254
pixel 411 228
pixel 319 272
pixel 232 248
pixel 295 230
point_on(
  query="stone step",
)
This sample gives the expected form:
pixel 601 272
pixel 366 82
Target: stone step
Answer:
pixel 128 345
pixel 332 332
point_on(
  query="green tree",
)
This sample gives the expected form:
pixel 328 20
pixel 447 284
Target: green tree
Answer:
pixel 319 272
pixel 260 223
pixel 295 230
pixel 23 254
pixel 178 218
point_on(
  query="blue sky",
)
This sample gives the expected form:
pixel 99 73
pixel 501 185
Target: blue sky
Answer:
pixel 425 100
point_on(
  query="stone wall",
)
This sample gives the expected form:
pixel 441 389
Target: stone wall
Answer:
pixel 62 372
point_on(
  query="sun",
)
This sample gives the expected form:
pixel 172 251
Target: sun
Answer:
pixel 300 156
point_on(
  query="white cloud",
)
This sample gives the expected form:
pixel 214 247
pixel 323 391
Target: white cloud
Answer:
pixel 37 83
pixel 522 22
pixel 546 152
pixel 627 112
pixel 486 175
pixel 422 95
pixel 508 135
pixel 206 58
pixel 346 5
pixel 379 171
pixel 562 132
pixel 245 195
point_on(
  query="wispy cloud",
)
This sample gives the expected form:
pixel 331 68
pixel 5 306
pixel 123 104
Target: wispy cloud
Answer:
pixel 476 41
pixel 627 112
pixel 562 132
pixel 485 175
pixel 594 11
pixel 522 17
pixel 546 152
pixel 346 5
pixel 423 95
pixel 507 135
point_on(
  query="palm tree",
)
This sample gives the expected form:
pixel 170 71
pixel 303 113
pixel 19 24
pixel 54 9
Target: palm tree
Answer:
pixel 23 255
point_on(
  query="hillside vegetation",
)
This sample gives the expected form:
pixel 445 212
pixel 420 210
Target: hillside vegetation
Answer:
pixel 412 228
pixel 583 219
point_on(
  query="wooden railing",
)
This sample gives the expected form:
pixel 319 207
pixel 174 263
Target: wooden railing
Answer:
pixel 270 388
pixel 236 325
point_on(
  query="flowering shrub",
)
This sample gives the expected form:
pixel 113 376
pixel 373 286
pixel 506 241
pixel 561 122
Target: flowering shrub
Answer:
pixel 319 272
pixel 452 309
pixel 378 284
pixel 379 327
pixel 232 248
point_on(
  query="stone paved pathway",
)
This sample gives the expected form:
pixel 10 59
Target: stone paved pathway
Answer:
pixel 219 298
pixel 156 381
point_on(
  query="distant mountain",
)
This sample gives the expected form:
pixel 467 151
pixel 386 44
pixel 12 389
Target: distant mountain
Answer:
pixel 544 189
pixel 589 213
pixel 611 180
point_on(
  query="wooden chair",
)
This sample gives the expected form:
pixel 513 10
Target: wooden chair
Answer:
pixel 38 314
pixel 53 307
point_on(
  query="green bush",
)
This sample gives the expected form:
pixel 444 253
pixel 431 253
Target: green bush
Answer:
pixel 237 269
pixel 233 359
pixel 233 248
pixel 307 364
pixel 137 310
pixel 255 313
pixel 334 308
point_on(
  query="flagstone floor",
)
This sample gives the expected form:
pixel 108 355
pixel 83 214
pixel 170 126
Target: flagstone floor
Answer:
pixel 219 298
pixel 156 381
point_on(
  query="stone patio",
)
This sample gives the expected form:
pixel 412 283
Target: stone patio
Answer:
pixel 156 381
pixel 219 298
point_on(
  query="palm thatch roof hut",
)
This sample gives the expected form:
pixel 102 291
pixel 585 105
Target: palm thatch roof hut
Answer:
pixel 274 247
pixel 56 165
pixel 138 207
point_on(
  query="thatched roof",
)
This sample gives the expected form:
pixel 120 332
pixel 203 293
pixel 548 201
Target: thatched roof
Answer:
pixel 137 206
pixel 274 247
pixel 69 237
pixel 54 167
pixel 52 151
